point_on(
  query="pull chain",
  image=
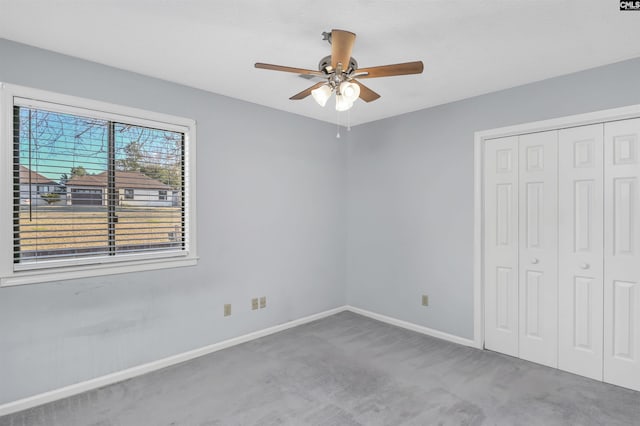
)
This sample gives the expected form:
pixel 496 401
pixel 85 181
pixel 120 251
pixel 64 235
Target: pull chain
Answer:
pixel 337 125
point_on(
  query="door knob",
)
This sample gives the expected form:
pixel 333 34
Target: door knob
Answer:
pixel 534 260
pixel 584 266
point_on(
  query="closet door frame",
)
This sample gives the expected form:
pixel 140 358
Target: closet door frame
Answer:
pixel 480 137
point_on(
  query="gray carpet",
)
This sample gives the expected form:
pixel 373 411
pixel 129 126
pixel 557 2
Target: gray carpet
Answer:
pixel 347 370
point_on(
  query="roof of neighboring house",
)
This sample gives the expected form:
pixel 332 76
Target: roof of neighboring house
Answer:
pixel 36 178
pixel 123 180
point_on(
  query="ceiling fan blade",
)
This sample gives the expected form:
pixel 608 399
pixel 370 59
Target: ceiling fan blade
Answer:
pixel 306 92
pixel 391 70
pixel 366 94
pixel 287 69
pixel 341 45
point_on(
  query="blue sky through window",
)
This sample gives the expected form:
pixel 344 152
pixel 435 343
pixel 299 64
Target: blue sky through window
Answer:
pixel 52 143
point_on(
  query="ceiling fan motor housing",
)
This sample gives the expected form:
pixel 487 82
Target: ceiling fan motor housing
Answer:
pixel 325 65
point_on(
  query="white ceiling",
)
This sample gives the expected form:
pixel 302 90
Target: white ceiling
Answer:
pixel 468 47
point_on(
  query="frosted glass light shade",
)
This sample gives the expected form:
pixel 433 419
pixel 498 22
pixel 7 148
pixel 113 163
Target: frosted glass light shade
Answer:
pixel 350 91
pixel 321 95
pixel 342 103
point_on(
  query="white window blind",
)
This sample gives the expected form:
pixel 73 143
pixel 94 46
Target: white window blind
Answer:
pixel 89 188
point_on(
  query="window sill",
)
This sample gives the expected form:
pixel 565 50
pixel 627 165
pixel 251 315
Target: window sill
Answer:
pixel 68 273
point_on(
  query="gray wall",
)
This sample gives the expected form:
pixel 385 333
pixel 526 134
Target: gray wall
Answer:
pixel 274 220
pixel 271 199
pixel 410 186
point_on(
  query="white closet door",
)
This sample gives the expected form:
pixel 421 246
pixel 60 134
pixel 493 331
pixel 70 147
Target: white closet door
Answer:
pixel 501 245
pixel 622 254
pixel 580 238
pixel 538 253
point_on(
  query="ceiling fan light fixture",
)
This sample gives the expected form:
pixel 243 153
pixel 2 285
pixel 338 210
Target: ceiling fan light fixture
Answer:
pixel 342 103
pixel 350 91
pixel 321 95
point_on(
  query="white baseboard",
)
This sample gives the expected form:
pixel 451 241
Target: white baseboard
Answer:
pixel 414 327
pixel 98 382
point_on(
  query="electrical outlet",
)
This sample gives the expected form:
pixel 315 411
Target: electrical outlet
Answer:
pixel 425 300
pixel 227 309
pixel 263 302
pixel 254 304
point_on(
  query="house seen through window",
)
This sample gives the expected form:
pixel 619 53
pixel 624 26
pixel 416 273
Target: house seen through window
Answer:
pixel 90 187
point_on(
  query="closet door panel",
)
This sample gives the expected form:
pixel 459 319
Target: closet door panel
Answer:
pixel 538 247
pixel 501 245
pixel 622 254
pixel 580 237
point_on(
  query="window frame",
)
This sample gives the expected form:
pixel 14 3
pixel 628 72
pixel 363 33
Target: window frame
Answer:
pixel 16 274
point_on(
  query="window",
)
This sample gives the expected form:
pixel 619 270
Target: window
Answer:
pixel 87 178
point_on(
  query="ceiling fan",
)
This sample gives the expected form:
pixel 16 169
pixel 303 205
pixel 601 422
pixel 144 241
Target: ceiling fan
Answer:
pixel 339 71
